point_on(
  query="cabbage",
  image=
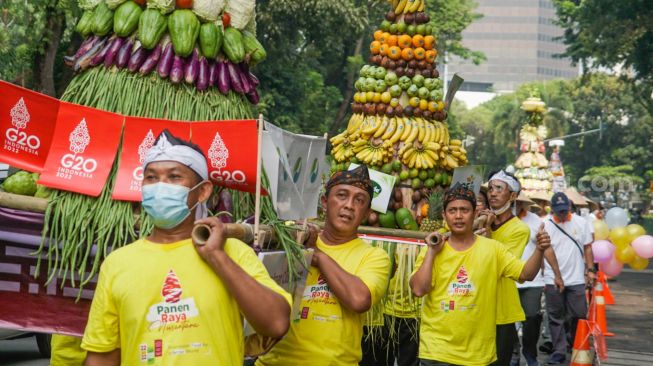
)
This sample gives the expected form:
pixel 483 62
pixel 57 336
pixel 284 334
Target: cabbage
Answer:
pixel 165 6
pixel 241 11
pixel 112 4
pixel 88 4
pixel 208 10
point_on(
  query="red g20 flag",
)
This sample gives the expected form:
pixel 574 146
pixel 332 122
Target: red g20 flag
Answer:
pixel 27 122
pixel 230 147
pixel 83 149
pixel 139 137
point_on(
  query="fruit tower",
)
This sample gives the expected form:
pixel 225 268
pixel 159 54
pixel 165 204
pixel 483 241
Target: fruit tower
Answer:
pixel 398 122
pixel 532 165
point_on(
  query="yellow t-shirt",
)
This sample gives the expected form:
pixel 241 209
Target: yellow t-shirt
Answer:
pixel 514 235
pixel 327 333
pixel 66 351
pixel 458 324
pixel 399 301
pixel 161 304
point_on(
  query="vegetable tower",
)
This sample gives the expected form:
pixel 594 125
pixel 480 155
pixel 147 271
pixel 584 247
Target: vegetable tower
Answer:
pixel 178 60
pixel 398 122
pixel 532 165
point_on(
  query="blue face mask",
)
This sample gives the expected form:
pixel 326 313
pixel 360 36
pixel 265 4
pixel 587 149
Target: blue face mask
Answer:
pixel 167 203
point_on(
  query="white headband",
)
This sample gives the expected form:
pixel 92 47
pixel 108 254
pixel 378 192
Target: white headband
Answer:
pixel 512 183
pixel 186 155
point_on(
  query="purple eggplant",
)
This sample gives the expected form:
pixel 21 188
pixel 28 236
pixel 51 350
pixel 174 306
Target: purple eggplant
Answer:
pixel 223 81
pixel 253 79
pixel 137 58
pixel 192 67
pixel 69 60
pixel 244 79
pixel 165 63
pixel 202 74
pixel 99 57
pixel 124 53
pixel 234 78
pixel 150 62
pixel 86 46
pixel 252 96
pixel 177 70
pixel 83 62
pixel 113 51
pixel 213 73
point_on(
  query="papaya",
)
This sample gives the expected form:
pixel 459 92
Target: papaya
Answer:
pixel 253 48
pixel 151 27
pixel 84 24
pixel 210 40
pixel 102 22
pixel 125 20
pixel 405 219
pixel 233 45
pixel 184 28
pixel 387 220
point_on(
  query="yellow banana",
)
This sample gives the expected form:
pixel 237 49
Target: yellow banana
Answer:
pixel 413 132
pixel 427 135
pixel 398 131
pixel 408 152
pixel 421 6
pixel 451 162
pixel 445 130
pixel 437 135
pixel 416 4
pixel 404 148
pixel 409 4
pixel 354 123
pixel 400 6
pixel 385 121
pixel 421 130
pixel 411 161
pixel 433 146
pixel 431 154
pixel 338 139
pixel 455 142
pixel 390 130
pixel 456 154
pixel 373 123
pixel 408 127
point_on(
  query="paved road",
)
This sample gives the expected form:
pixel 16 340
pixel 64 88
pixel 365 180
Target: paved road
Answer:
pixel 21 352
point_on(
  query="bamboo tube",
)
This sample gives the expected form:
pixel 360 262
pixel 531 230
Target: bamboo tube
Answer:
pixel 25 203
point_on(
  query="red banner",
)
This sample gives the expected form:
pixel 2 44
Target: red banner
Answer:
pixel 139 136
pixel 83 149
pixel 26 126
pixel 230 147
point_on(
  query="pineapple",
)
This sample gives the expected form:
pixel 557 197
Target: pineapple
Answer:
pixel 433 221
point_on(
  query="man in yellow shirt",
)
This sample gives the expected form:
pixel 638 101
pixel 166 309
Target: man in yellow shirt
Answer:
pixel 165 300
pixel 347 277
pixel 458 278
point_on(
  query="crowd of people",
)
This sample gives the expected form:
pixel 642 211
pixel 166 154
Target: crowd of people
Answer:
pixel 167 300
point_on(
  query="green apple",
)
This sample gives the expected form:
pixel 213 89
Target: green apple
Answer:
pixel 395 91
pixel 370 83
pixel 411 30
pixel 380 86
pixel 412 91
pixel 405 82
pixel 391 78
pixel 435 95
pixel 430 83
pixel 387 168
pixel 360 84
pixel 393 28
pixel 416 183
pixel 396 166
pixel 379 73
pixel 421 29
pixel 418 80
pixel 423 175
pixel 404 175
pixel 423 93
pixel 429 183
pixel 365 70
pixel 385 25
pixel 401 27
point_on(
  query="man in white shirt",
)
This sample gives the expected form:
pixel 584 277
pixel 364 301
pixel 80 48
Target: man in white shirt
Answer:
pixel 530 292
pixel 571 241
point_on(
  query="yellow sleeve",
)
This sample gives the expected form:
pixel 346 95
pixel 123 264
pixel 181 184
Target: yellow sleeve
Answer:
pixel 66 351
pixel 375 273
pixel 509 265
pixel 419 261
pixel 522 237
pixel 102 333
pixel 247 260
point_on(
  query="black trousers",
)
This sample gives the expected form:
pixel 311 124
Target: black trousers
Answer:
pixel 383 352
pixel 506 338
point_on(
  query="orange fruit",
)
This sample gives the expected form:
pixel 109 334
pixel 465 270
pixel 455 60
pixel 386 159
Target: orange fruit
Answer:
pixel 419 53
pixel 383 50
pixel 384 37
pixel 433 106
pixel 394 52
pixel 405 41
pixel 378 34
pixel 430 56
pixel 418 40
pixel 429 42
pixel 407 54
pixel 392 40
pixel 374 47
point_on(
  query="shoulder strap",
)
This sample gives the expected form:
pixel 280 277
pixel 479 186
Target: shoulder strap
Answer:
pixel 570 237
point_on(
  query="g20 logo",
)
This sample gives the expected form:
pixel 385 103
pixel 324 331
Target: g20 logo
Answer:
pixel 225 176
pixel 23 139
pixel 137 174
pixel 79 163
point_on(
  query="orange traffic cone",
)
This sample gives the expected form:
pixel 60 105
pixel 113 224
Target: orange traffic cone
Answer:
pixel 607 294
pixel 598 313
pixel 580 355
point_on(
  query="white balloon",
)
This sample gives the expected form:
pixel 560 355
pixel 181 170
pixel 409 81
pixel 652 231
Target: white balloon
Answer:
pixel 616 217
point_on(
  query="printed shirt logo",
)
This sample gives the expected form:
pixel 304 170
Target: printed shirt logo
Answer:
pixel 218 152
pixel 174 309
pixel 462 286
pixel 79 138
pixel 319 303
pixel 19 114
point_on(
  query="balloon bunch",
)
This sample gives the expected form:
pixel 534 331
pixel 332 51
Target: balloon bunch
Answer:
pixel 617 243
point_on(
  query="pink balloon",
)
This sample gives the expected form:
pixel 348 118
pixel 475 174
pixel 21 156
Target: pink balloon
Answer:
pixel 603 251
pixel 612 267
pixel 643 246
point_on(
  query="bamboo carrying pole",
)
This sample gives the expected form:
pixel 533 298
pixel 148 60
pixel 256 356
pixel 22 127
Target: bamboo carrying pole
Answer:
pixel 257 202
pixel 25 203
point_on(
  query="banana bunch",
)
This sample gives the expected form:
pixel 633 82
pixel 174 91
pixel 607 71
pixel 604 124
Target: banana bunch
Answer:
pixel 342 150
pixel 420 155
pixel 407 6
pixel 456 155
pixel 373 152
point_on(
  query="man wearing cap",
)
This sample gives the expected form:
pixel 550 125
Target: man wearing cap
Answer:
pixel 530 292
pixel 509 230
pixel 458 278
pixel 347 277
pixel 165 300
pixel 571 242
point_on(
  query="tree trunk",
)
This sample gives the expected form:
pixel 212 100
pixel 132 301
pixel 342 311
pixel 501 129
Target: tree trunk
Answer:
pixel 349 91
pixel 46 72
